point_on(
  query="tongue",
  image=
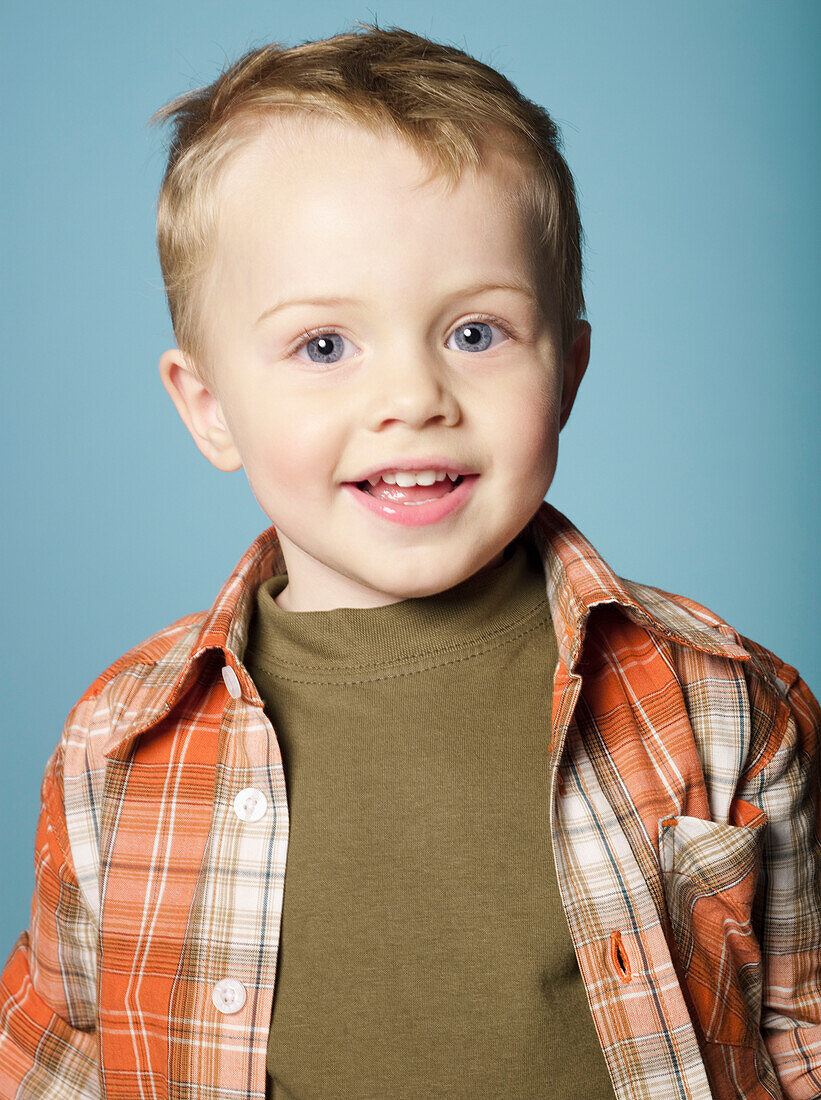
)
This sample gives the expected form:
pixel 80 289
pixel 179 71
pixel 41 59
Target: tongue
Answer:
pixel 413 494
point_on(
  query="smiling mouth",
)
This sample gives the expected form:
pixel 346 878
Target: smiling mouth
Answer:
pixel 410 494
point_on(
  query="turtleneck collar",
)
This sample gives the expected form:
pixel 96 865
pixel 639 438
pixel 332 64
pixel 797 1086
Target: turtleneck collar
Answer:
pixel 474 611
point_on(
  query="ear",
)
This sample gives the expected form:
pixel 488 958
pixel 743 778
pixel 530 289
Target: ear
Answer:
pixel 575 364
pixel 199 409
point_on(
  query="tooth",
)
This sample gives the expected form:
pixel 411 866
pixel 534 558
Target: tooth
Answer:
pixel 406 478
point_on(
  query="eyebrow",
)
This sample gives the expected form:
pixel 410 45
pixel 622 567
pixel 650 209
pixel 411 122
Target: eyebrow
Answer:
pixel 465 292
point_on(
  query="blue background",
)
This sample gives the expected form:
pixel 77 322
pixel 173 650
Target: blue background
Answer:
pixel 691 460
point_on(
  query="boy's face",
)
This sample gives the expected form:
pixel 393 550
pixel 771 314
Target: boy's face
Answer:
pixel 413 364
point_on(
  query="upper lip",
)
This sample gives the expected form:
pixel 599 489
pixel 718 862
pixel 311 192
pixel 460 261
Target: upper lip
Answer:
pixel 430 462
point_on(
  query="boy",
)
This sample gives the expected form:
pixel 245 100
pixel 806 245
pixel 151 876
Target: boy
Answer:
pixel 430 802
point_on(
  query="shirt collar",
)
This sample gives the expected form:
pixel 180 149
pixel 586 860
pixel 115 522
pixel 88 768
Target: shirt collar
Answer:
pixel 577 580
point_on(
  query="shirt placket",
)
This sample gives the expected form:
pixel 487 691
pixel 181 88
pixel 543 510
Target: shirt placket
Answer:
pixel 638 1008
pixel 233 939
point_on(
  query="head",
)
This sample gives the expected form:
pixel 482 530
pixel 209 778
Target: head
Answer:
pixel 406 201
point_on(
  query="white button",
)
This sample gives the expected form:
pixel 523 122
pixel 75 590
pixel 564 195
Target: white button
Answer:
pixel 250 804
pixel 231 682
pixel 228 995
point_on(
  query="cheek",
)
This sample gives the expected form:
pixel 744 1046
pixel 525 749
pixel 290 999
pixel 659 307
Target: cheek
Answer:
pixel 289 445
pixel 527 425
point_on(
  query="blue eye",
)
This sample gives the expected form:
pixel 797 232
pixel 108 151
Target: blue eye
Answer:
pixel 323 347
pixel 474 336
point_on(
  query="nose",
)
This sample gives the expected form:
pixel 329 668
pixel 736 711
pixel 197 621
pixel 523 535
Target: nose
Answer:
pixel 412 386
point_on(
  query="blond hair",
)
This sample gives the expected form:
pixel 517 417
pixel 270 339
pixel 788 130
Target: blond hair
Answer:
pixel 446 104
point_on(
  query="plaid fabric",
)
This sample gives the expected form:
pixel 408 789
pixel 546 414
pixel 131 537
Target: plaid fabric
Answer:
pixel 685 810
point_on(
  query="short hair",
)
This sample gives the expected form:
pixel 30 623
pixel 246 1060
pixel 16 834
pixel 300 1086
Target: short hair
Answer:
pixel 446 104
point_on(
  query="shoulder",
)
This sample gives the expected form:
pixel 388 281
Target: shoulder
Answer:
pixel 691 623
pixel 136 679
pixel 145 655
pixel 72 790
pixel 775 687
pixel 682 614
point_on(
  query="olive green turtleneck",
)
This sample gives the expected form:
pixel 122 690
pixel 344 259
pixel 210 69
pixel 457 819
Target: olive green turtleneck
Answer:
pixel 424 950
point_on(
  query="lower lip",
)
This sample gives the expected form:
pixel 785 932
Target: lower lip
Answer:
pixel 416 515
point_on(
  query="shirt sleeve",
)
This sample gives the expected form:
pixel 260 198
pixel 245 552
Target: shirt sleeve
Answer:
pixel 48 1039
pixel 790 916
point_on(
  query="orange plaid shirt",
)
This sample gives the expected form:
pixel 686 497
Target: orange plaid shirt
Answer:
pixel 685 811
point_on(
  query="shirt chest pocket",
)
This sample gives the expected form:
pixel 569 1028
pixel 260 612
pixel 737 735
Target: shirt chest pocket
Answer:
pixel 710 874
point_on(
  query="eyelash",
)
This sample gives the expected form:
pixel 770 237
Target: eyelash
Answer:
pixel 309 334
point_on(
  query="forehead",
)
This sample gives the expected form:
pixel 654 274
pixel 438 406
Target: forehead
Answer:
pixel 297 140
pixel 309 191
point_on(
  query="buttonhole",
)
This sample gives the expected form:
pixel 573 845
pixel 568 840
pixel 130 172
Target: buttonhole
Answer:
pixel 618 956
